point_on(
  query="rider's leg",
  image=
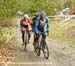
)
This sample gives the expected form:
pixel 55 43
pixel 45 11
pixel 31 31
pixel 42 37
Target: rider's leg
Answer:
pixel 29 35
pixel 22 37
pixel 36 37
pixel 44 36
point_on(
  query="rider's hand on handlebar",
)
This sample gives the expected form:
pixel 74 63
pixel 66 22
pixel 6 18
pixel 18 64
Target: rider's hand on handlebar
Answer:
pixel 47 33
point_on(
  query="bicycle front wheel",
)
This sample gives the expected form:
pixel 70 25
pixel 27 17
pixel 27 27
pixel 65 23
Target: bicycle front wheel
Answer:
pixel 45 49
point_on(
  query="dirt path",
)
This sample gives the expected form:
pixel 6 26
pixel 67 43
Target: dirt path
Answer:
pixel 60 54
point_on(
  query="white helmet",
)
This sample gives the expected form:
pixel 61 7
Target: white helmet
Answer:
pixel 25 15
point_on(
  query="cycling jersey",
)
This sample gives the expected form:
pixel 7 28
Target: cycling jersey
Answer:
pixel 42 25
pixel 25 22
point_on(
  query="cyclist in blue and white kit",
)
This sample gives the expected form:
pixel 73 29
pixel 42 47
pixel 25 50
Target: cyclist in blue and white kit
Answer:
pixel 42 26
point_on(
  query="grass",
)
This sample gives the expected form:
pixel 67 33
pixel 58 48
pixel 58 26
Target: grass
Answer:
pixel 64 32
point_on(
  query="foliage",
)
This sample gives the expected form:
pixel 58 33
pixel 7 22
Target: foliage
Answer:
pixel 6 34
pixel 9 8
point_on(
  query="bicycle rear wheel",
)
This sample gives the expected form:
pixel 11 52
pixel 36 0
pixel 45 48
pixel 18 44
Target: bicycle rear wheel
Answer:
pixel 45 49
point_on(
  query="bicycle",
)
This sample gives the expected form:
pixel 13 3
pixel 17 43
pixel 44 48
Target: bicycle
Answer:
pixel 41 44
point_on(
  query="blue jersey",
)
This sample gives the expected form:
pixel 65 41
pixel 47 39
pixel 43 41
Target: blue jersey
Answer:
pixel 41 24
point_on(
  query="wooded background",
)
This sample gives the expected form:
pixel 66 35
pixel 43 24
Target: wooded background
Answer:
pixel 9 8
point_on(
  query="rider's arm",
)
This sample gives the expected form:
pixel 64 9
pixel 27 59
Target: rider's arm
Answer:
pixel 48 25
pixel 30 21
pixel 21 23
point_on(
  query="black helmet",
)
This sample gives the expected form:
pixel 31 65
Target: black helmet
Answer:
pixel 37 14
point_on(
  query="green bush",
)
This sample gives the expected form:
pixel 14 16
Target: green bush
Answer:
pixel 6 34
pixel 9 8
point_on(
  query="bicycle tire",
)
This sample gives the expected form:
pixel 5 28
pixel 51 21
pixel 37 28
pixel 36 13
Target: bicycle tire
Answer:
pixel 44 46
